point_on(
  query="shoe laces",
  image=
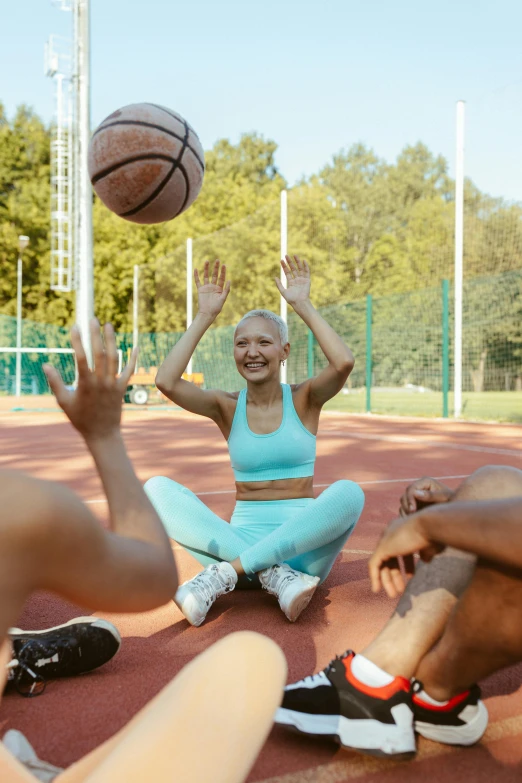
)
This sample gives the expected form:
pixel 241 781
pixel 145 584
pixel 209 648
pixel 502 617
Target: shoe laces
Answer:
pixel 279 577
pixel 208 585
pixel 312 679
pixel 341 657
pixel 27 682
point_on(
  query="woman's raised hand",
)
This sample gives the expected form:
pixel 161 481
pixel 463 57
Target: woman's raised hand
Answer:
pixel 297 280
pixel 212 293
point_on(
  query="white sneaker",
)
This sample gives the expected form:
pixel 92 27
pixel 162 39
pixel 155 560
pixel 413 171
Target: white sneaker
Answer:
pixel 293 589
pixel 195 597
pixel 20 747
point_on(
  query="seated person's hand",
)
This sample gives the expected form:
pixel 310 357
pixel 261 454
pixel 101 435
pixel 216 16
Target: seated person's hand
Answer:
pixel 94 407
pixel 402 539
pixel 424 492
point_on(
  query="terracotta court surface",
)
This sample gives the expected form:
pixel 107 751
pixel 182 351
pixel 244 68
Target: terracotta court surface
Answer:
pixel 383 455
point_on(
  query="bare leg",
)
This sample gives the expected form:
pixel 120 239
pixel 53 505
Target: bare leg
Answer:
pixel 423 611
pixel 468 651
pixel 208 724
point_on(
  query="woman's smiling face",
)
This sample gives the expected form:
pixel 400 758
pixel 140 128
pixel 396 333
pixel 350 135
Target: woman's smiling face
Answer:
pixel 258 351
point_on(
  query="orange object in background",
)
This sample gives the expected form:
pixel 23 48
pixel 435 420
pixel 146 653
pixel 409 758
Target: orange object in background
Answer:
pixel 144 379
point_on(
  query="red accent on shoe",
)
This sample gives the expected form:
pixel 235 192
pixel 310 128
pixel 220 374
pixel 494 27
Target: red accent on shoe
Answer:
pixel 384 692
pixel 454 702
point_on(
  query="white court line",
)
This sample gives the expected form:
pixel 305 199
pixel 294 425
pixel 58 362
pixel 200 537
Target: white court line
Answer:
pixel 361 483
pixel 421 442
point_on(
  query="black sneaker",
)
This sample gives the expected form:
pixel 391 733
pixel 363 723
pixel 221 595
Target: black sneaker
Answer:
pixel 462 721
pixel 79 646
pixel 377 721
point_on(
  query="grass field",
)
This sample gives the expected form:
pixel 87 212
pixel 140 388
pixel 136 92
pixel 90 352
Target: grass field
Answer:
pixel 486 406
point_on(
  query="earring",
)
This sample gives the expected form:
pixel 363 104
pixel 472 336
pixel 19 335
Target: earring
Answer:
pixel 283 362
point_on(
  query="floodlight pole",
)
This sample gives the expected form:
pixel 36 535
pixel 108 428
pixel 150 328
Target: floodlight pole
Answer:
pixel 23 241
pixel 84 293
pixel 189 294
pixel 284 250
pixel 459 248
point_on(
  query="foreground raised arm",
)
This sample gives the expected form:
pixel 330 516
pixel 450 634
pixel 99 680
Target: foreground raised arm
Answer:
pixel 135 561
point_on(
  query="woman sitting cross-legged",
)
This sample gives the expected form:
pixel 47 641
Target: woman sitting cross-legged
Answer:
pixel 278 530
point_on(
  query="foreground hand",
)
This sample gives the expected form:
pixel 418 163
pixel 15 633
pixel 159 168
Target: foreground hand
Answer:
pixel 297 280
pixel 94 407
pixel 212 293
pixel 402 539
pixel 424 492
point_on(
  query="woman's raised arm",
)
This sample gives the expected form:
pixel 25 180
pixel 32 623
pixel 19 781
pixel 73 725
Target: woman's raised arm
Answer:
pixel 212 294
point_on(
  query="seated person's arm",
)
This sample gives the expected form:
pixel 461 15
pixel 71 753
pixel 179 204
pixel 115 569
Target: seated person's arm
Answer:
pixel 490 529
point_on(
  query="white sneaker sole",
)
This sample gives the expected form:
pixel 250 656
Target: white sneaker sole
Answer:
pixel 367 736
pixel 94 622
pixel 300 601
pixel 324 725
pixel 377 739
pixel 468 734
pixel 190 609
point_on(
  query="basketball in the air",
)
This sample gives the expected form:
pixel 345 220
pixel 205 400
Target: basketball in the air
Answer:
pixel 146 163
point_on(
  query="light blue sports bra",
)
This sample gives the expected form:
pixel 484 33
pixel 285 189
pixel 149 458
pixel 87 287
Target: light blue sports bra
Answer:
pixel 288 452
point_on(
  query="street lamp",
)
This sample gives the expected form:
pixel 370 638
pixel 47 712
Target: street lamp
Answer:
pixel 23 241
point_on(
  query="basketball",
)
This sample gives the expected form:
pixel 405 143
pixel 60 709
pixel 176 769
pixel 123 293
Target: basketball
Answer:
pixel 146 163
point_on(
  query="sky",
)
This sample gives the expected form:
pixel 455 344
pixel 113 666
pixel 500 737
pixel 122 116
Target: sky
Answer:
pixel 316 76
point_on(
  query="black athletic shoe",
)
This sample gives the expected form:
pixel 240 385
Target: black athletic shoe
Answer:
pixel 462 721
pixel 79 646
pixel 377 721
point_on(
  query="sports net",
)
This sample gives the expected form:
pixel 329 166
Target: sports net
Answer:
pixel 407 338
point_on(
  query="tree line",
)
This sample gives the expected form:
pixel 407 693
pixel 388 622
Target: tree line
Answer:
pixel 365 225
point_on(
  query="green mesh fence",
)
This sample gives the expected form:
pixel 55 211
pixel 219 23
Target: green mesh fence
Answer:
pixel 406 360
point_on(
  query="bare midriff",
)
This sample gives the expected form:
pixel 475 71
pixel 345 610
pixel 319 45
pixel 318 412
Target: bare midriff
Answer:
pixel 281 489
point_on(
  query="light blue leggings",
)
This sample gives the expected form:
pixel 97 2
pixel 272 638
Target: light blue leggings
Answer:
pixel 306 533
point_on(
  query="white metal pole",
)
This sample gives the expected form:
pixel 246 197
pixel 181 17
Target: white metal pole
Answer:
pixel 69 279
pixel 75 156
pixel 459 246
pixel 135 311
pixel 18 377
pixel 189 294
pixel 284 250
pixel 85 294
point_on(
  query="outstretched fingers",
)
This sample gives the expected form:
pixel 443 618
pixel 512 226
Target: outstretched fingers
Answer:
pixel 222 275
pixel 294 269
pixel 55 381
pixel 286 269
pixel 98 351
pixel 79 351
pixel 111 351
pixel 128 370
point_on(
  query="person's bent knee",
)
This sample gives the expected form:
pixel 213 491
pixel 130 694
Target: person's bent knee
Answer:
pixel 490 482
pixel 156 485
pixel 251 643
pixel 351 494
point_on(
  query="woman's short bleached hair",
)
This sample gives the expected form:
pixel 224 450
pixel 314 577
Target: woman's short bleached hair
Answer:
pixel 268 315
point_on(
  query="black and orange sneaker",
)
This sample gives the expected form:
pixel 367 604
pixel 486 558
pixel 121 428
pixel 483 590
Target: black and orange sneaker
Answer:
pixel 376 721
pixel 461 721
